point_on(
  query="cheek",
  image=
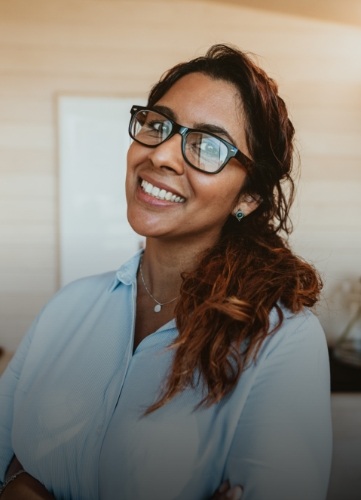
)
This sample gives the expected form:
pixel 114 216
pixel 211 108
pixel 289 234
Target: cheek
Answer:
pixel 136 154
pixel 130 157
pixel 236 182
pixel 130 177
pixel 222 190
pixel 133 159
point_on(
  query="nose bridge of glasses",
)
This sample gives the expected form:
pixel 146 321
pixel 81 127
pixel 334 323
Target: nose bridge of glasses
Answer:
pixel 178 129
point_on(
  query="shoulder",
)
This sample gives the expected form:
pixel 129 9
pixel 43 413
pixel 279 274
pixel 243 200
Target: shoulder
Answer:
pixel 96 296
pixel 79 295
pixel 90 288
pixel 88 285
pixel 297 348
pixel 303 327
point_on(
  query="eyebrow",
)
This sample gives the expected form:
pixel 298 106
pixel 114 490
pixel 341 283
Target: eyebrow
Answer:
pixel 206 127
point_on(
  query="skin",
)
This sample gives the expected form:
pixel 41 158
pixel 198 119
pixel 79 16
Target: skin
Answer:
pixel 177 232
pixel 226 492
pixel 194 101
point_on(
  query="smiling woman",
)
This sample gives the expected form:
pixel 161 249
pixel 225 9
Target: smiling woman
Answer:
pixel 181 161
pixel 197 369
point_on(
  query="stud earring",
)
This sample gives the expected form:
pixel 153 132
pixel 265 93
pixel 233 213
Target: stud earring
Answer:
pixel 239 215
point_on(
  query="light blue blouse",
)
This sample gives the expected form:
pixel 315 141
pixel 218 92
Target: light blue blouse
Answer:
pixel 73 396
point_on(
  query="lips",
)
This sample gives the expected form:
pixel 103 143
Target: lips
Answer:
pixel 160 194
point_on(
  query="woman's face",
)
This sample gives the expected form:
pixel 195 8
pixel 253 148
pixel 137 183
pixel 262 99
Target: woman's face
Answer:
pixel 203 202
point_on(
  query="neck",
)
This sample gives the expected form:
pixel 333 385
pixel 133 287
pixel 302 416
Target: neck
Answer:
pixel 162 267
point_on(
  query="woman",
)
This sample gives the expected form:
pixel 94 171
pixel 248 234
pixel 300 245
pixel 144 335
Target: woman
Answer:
pixel 198 363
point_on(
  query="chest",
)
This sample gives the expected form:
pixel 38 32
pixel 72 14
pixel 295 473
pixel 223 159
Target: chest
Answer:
pixel 147 319
pixel 173 453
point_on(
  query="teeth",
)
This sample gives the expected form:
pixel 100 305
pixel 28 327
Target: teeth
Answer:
pixel 147 187
pixel 161 194
pixel 155 191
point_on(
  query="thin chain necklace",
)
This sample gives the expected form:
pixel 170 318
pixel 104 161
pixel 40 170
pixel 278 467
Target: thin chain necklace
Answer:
pixel 158 306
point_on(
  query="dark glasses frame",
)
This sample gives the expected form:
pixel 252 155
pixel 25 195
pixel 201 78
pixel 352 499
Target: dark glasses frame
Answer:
pixel 232 151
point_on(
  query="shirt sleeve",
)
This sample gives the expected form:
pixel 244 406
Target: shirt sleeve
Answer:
pixel 8 384
pixel 282 446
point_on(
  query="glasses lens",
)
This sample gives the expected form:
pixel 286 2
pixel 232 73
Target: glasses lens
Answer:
pixel 205 152
pixel 150 128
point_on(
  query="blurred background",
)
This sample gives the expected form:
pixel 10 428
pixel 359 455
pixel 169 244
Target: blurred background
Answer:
pixel 69 70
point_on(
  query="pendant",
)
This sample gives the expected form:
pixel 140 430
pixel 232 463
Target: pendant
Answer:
pixel 157 308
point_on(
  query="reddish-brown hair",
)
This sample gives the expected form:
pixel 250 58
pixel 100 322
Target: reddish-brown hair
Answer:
pixel 225 302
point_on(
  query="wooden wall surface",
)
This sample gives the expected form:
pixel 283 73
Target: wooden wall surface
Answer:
pixel 119 48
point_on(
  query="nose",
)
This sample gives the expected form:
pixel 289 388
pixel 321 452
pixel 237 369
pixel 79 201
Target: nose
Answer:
pixel 168 155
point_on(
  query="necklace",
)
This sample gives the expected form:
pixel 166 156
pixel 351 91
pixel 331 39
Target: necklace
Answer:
pixel 158 306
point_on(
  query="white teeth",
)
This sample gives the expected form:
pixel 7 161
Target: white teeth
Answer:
pixel 155 191
pixel 161 194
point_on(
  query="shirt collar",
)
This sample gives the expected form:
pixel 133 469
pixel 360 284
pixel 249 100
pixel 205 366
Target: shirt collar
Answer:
pixel 127 273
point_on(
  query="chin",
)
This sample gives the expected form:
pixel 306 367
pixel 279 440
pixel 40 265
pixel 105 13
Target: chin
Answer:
pixel 143 225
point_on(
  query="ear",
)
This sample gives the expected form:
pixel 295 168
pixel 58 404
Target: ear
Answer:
pixel 247 203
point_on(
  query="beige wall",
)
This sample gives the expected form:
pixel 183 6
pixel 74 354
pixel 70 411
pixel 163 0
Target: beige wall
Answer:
pixel 115 47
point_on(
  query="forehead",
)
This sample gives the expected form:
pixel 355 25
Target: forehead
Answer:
pixel 199 98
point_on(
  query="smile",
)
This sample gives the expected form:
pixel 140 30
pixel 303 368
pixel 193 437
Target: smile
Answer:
pixel 160 194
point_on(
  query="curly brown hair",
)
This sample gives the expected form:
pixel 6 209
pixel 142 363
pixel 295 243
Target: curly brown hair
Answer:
pixel 223 312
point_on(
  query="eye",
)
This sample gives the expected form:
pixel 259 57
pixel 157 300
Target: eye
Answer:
pixel 154 125
pixel 209 147
pixel 160 127
pixel 204 146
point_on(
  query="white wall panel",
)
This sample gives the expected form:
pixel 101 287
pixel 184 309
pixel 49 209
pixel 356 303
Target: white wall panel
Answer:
pixel 93 141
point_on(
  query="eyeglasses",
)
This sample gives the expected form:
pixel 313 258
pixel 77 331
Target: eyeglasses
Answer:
pixel 201 150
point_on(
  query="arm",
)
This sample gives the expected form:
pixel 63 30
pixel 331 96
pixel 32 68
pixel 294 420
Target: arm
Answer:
pixel 225 492
pixel 21 485
pixel 8 384
pixel 282 445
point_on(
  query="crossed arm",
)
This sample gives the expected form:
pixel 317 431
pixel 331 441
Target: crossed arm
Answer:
pixel 27 487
